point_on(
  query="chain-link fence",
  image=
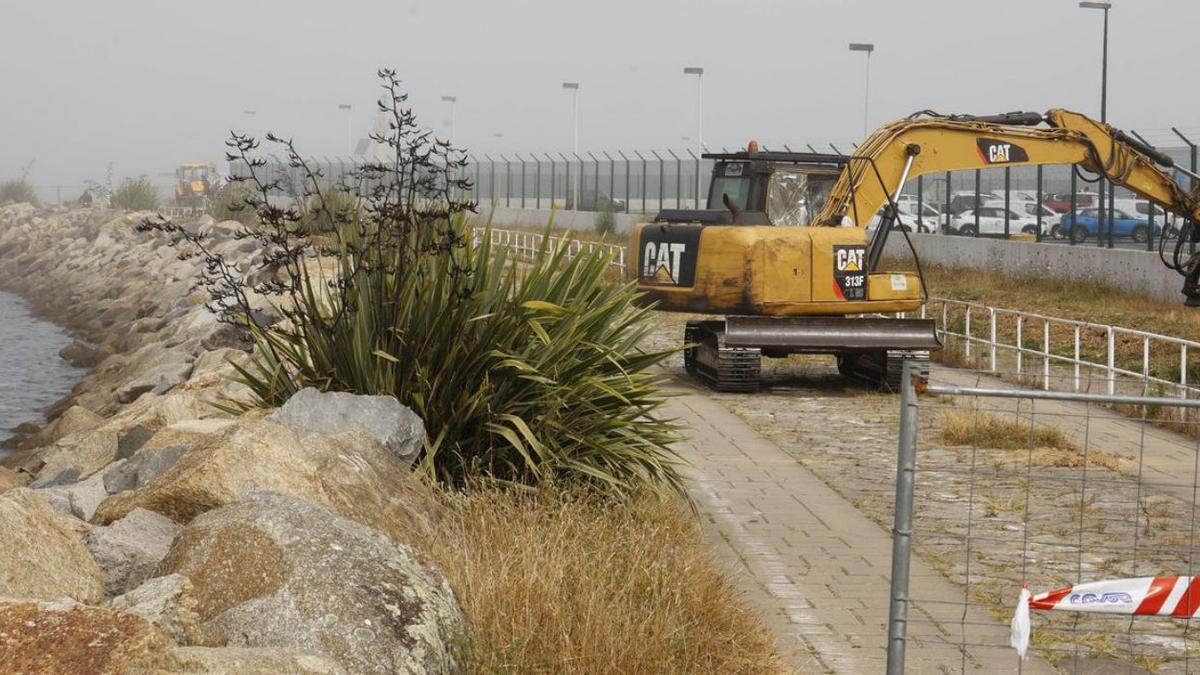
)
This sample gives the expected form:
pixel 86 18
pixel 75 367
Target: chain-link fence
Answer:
pixel 1083 498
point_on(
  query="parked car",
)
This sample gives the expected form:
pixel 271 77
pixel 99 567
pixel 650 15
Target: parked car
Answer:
pixel 961 200
pixel 1086 223
pixel 928 222
pixel 991 222
pixel 1029 207
pixel 1060 202
pixel 589 200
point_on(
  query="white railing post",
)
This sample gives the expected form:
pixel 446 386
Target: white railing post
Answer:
pixel 1077 357
pixel 1046 351
pixel 1183 371
pixel 992 334
pixel 967 332
pixel 1145 358
pixel 1112 362
pixel 1020 344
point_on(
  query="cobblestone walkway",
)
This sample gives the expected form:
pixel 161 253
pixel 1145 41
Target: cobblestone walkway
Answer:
pixel 814 566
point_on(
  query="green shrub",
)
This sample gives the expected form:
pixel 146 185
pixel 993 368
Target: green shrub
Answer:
pixel 330 207
pixel 525 371
pixel 605 224
pixel 18 190
pixel 136 194
pixel 228 202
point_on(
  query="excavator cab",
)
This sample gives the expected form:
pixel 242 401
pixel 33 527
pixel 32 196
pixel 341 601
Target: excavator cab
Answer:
pixel 764 188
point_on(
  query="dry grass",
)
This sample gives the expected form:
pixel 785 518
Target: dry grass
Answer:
pixel 1045 445
pixel 985 430
pixel 563 582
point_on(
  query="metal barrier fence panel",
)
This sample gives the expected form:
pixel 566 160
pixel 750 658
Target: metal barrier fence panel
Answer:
pixel 1000 488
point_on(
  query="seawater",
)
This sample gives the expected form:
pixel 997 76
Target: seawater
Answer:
pixel 32 375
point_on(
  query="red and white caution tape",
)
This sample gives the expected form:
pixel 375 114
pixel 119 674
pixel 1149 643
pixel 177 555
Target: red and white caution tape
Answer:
pixel 1144 596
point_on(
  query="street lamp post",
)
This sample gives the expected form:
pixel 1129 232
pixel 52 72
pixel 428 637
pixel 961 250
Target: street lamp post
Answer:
pixel 574 88
pixel 1103 118
pixel 699 73
pixel 867 47
pixel 451 100
pixel 349 129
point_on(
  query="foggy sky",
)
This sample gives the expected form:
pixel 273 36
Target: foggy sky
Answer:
pixel 147 84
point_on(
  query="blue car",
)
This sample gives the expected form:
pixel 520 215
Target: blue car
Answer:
pixel 1086 223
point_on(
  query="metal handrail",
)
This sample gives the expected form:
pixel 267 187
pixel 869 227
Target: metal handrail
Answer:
pixel 993 343
pixel 527 244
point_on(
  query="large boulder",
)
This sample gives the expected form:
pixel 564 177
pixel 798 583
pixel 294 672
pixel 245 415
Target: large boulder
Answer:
pixel 10 479
pixel 42 555
pixel 74 420
pixel 166 602
pixel 65 637
pixel 275 571
pixel 128 550
pixel 396 427
pixel 239 660
pixel 350 473
pixel 144 466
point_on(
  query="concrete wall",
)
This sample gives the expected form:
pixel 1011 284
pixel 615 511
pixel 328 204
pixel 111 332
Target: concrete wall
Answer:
pixel 1134 271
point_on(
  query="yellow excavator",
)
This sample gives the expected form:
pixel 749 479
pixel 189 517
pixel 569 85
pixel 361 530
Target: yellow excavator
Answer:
pixel 194 184
pixel 781 255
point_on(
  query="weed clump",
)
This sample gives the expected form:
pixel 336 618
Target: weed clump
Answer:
pixel 136 194
pixel 17 191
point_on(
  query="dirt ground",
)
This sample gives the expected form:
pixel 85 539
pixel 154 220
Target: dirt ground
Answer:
pixel 1086 521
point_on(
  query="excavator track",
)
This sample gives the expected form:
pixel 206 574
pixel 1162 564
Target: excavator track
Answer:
pixel 727 355
pixel 883 368
pixel 722 367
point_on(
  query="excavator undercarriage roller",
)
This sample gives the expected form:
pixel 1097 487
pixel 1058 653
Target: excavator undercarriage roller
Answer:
pixel 728 354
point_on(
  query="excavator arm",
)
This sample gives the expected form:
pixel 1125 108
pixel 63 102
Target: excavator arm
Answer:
pixel 908 148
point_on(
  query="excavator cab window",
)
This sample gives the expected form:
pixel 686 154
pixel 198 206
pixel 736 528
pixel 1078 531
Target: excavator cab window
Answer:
pixel 737 187
pixel 794 196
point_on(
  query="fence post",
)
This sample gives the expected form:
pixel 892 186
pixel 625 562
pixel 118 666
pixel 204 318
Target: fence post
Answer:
pixel 537 198
pixel 902 523
pixel 661 174
pixel 978 177
pixel 595 182
pixel 1046 350
pixel 523 174
pixel 1112 362
pixel 967 333
pixel 628 196
pixel 1007 199
pixel 507 182
pixel 920 203
pixel 1020 344
pixel 697 158
pixel 946 210
pixel 1183 370
pixel 1039 207
pixel 1077 357
pixel 992 336
pixel 644 178
pixel 553 170
pixel 678 180
pixel 1192 183
pixel 1074 210
pixel 612 177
